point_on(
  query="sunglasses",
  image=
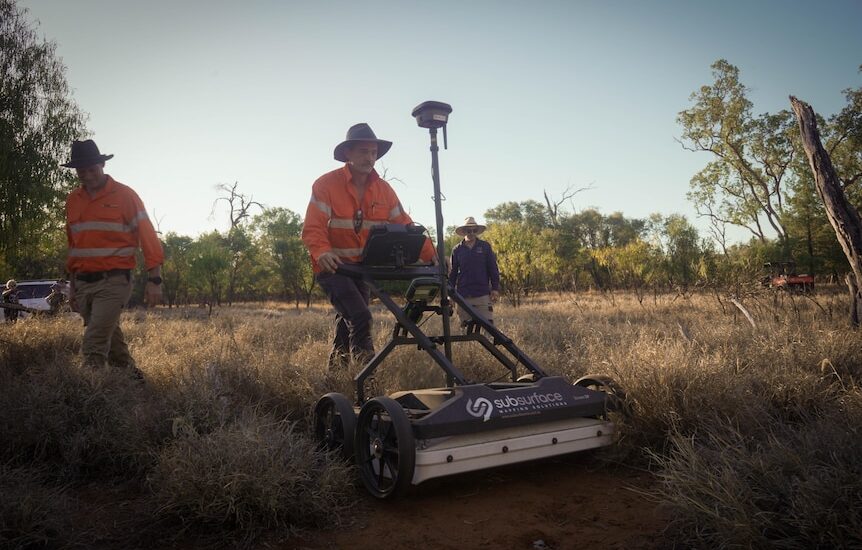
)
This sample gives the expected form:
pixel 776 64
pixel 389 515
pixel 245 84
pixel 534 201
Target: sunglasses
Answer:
pixel 470 231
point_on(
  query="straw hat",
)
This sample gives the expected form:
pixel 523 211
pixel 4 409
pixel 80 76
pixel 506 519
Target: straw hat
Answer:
pixel 470 223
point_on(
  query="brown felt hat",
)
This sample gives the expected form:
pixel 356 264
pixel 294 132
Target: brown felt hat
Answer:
pixel 86 153
pixel 360 132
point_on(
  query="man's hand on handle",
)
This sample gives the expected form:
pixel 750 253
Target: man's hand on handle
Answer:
pixel 329 262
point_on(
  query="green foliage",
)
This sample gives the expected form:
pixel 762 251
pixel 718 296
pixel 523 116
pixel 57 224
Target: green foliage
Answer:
pixel 209 266
pixel 633 266
pixel 38 122
pixel 278 233
pixel 176 270
pixel 759 178
pixel 524 257
pixel 746 183
pixel 531 213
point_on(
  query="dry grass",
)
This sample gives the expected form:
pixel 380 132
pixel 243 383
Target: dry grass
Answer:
pixel 753 432
pixel 248 475
pixel 32 514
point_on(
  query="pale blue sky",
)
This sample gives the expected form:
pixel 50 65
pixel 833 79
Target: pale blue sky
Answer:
pixel 546 94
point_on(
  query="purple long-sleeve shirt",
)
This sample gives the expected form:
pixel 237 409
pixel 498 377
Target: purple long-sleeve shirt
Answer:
pixel 474 270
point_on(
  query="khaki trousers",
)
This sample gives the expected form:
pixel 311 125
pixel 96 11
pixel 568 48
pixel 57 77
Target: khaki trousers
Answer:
pixel 100 304
pixel 482 305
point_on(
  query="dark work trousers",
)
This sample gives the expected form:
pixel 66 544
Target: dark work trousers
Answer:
pixel 350 298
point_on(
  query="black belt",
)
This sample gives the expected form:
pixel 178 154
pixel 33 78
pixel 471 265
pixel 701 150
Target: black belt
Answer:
pixel 94 276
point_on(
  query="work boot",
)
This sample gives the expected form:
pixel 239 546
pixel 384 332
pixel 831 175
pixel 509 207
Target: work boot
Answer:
pixel 94 361
pixel 132 370
pixel 137 374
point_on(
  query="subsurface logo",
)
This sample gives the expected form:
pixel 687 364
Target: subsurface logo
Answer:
pixel 481 407
pixel 529 402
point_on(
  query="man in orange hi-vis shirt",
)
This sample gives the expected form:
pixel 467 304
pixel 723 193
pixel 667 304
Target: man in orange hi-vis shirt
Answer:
pixel 106 223
pixel 345 204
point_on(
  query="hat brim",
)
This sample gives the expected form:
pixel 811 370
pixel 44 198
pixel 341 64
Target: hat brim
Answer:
pixel 83 163
pixel 382 148
pixel 479 229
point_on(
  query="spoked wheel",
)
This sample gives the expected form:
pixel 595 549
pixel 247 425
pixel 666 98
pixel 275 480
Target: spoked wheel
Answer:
pixel 335 424
pixel 616 395
pixel 385 449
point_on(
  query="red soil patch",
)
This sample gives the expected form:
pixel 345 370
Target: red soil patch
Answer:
pixel 570 502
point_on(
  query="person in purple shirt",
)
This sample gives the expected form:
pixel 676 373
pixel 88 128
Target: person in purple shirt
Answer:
pixel 474 272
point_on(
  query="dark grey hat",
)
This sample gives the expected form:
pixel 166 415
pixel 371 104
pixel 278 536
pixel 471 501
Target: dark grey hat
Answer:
pixel 360 132
pixel 86 153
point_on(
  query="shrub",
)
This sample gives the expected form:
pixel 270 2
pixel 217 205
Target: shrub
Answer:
pixel 83 423
pixel 250 474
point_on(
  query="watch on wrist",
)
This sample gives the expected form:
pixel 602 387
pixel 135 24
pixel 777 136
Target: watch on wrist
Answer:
pixel 154 280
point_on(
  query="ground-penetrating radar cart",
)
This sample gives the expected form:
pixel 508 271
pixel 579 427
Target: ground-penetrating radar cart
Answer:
pixel 411 436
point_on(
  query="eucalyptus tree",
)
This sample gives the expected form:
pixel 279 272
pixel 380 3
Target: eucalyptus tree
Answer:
pixel 38 122
pixel 177 267
pixel 531 213
pixel 210 259
pixel 526 257
pixel 279 233
pixel 746 182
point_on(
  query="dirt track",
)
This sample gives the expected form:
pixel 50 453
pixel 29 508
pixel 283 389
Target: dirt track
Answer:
pixel 566 503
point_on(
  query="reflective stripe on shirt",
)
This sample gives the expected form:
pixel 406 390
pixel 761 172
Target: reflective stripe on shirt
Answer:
pixel 344 223
pixel 322 206
pixel 101 252
pixel 101 226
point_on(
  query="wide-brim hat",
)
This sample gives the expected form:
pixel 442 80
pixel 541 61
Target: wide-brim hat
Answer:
pixel 360 132
pixel 86 153
pixel 470 223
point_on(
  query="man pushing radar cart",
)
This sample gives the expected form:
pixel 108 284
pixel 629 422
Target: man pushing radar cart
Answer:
pixel 410 436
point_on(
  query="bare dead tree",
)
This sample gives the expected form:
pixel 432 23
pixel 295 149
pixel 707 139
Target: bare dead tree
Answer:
pixel 240 207
pixel 554 205
pixel 717 225
pixel 239 203
pixel 842 215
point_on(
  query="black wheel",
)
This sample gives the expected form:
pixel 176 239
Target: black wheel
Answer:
pixel 616 395
pixel 385 449
pixel 335 424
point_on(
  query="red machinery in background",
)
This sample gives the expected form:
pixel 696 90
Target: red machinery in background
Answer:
pixel 783 276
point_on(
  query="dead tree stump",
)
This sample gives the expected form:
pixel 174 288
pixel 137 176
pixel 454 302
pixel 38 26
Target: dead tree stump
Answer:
pixel 843 217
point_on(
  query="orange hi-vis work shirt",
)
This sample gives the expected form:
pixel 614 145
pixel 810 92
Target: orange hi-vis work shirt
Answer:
pixel 105 231
pixel 334 209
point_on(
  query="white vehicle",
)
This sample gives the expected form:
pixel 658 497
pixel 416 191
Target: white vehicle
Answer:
pixel 32 294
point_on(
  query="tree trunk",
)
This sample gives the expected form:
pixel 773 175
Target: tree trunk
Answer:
pixel 854 299
pixel 842 215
